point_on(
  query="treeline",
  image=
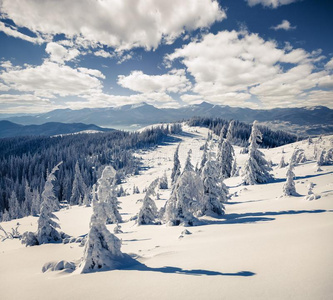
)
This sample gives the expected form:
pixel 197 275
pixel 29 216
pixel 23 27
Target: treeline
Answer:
pixel 242 131
pixel 26 161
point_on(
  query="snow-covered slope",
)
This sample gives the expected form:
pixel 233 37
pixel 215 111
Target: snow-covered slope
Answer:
pixel 265 247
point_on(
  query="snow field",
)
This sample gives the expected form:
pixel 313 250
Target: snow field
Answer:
pixel 266 246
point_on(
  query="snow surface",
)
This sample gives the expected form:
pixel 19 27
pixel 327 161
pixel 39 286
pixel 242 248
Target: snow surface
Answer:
pixel 265 247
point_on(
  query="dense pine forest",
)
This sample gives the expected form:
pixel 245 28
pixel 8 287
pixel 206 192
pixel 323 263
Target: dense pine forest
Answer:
pixel 242 131
pixel 26 161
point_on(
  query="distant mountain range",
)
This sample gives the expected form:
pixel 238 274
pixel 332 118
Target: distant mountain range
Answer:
pixel 10 129
pixel 305 120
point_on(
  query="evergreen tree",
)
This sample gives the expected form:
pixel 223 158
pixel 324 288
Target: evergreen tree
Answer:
pixel 102 248
pixel 282 163
pixel 289 188
pixel 176 166
pixel 188 165
pixel 163 182
pixel 226 159
pixel 186 198
pixel 213 193
pixel 47 227
pixel 14 207
pixel 36 203
pixel 231 129
pixel 106 193
pixel 28 196
pixel 235 169
pixel 256 169
pixel 148 212
pixel 79 187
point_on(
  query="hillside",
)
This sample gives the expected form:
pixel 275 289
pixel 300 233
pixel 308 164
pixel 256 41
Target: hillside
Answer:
pixel 10 129
pixel 265 247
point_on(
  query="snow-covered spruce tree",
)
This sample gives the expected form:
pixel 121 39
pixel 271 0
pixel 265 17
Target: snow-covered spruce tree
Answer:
pixel 176 166
pixel 226 159
pixel 47 227
pixel 213 193
pixel 256 169
pixel 106 192
pixel 188 165
pixel 231 131
pixel 14 207
pixel 102 248
pixel 204 157
pixel 148 212
pixel 282 163
pixel 186 199
pixel 235 169
pixel 36 201
pixel 289 187
pixel 79 187
pixel 163 182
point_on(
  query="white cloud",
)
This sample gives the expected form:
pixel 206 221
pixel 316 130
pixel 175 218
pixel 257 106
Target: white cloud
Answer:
pixel 93 72
pixel 329 65
pixel 50 80
pixel 12 31
pixel 103 53
pixel 175 81
pixel 270 3
pixel 60 54
pixel 285 25
pixel 143 23
pixel 232 67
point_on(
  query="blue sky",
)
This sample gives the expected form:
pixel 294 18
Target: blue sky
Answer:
pixel 99 53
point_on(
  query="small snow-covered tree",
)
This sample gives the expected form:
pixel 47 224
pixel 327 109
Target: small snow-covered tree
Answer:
pixel 28 196
pixel 148 212
pixel 204 157
pixel 47 227
pixel 186 199
pixel 289 187
pixel 79 187
pixel 188 165
pixel 36 202
pixel 213 193
pixel 102 248
pixel 106 192
pixel 163 182
pixel 231 130
pixel 14 207
pixel 176 166
pixel 256 169
pixel 235 169
pixel 226 159
pixel 282 163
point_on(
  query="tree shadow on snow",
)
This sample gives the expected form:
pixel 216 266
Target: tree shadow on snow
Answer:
pixel 135 265
pixel 277 180
pixel 253 217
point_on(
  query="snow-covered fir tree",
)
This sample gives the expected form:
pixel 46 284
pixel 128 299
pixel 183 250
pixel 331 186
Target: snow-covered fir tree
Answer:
pixel 102 248
pixel 106 192
pixel 47 227
pixel 14 207
pixel 188 164
pixel 214 195
pixel 186 198
pixel 289 188
pixel 231 131
pixel 36 201
pixel 148 212
pixel 235 168
pixel 176 166
pixel 226 159
pixel 28 196
pixel 204 156
pixel 163 182
pixel 256 169
pixel 79 187
pixel 282 163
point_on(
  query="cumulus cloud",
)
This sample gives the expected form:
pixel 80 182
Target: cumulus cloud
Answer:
pixel 232 67
pixel 175 81
pixel 60 54
pixel 329 65
pixel 270 3
pixel 12 31
pixel 143 23
pixel 50 80
pixel 285 25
